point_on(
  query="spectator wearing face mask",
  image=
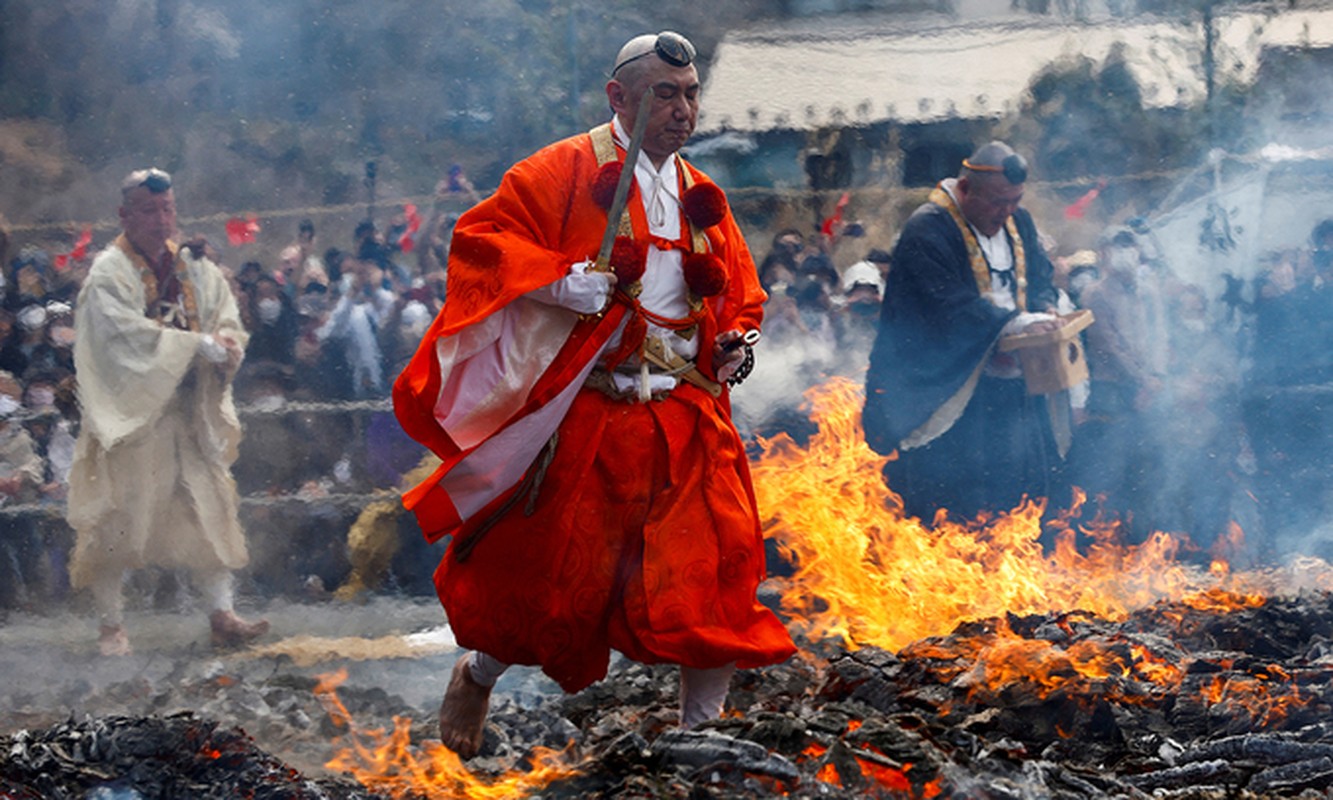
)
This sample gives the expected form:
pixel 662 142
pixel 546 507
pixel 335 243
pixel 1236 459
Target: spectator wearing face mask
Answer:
pixel 322 371
pixel 275 325
pixel 353 324
pixel 31 331
pixel 52 432
pixel 55 349
pixel 863 293
pixel 1115 453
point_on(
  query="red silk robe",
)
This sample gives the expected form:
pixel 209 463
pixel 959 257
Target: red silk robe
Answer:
pixel 643 534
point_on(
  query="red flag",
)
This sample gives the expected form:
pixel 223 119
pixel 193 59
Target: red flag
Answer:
pixel 242 231
pixel 405 242
pixel 81 246
pixel 80 249
pixel 831 223
pixel 1079 207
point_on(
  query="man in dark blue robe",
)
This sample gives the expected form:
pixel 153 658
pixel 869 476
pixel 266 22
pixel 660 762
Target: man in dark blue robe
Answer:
pixel 967 270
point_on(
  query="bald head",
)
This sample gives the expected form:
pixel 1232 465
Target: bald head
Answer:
pixel 996 158
pixel 663 64
pixel 148 210
pixel 990 186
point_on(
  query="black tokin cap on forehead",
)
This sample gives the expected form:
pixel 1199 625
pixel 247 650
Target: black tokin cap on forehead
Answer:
pixel 155 180
pixel 669 46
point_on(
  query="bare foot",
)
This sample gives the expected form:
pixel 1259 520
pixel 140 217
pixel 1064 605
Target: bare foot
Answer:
pixel 113 641
pixel 463 712
pixel 229 630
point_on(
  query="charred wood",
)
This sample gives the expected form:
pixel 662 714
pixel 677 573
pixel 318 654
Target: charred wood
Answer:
pixel 1211 772
pixel 1313 774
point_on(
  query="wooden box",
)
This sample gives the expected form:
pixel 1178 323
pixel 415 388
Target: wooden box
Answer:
pixel 1054 360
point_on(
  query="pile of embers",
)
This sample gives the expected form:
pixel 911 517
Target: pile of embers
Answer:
pixel 1179 700
pixel 128 758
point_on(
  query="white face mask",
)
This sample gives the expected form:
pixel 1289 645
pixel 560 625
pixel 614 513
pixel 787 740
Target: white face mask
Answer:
pixel 32 318
pixel 269 309
pixel 8 406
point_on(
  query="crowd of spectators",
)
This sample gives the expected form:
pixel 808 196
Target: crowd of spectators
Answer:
pixel 1288 389
pixel 819 321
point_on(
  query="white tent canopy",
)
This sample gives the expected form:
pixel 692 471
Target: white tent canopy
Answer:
pixel 867 68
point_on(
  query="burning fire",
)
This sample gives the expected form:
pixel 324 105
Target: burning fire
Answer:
pixel 389 764
pixel 873 769
pixel 867 574
pixel 1268 698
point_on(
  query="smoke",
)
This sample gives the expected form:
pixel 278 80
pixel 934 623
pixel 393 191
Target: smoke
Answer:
pixel 771 399
pixel 1241 433
pixel 52 670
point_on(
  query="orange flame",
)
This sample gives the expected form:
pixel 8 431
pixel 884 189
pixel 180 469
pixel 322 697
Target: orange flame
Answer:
pixel 1263 700
pixel 987 663
pixel 885 776
pixel 867 574
pixel 388 763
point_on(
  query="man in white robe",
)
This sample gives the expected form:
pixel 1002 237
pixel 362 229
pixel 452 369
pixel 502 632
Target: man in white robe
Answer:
pixel 159 339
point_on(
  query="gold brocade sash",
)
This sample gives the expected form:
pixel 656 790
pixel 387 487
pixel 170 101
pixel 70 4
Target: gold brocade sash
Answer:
pixel 651 350
pixel 604 147
pixel 977 259
pixel 150 287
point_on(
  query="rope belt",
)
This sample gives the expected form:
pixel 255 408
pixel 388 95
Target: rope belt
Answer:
pixel 657 358
pixel 601 380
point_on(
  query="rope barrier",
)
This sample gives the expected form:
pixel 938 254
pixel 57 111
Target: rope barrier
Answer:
pixel 342 500
pixel 223 216
pixel 251 410
pixel 463 202
pixel 292 407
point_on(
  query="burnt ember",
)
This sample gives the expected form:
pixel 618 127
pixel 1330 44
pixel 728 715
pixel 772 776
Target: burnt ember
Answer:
pixel 153 757
pixel 1215 697
pixel 1175 701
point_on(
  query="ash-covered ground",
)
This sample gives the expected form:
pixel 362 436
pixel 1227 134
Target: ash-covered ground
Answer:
pixel 1218 696
pixel 398 650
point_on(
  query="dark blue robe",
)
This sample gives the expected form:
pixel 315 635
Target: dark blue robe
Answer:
pixel 935 329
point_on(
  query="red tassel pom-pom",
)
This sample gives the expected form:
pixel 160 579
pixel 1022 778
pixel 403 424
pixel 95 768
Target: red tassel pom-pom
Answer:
pixel 629 259
pixel 604 184
pixel 705 274
pixel 705 205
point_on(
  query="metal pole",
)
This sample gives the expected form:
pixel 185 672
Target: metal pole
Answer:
pixel 370 190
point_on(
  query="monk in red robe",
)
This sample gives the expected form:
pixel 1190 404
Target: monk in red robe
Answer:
pixel 596 491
